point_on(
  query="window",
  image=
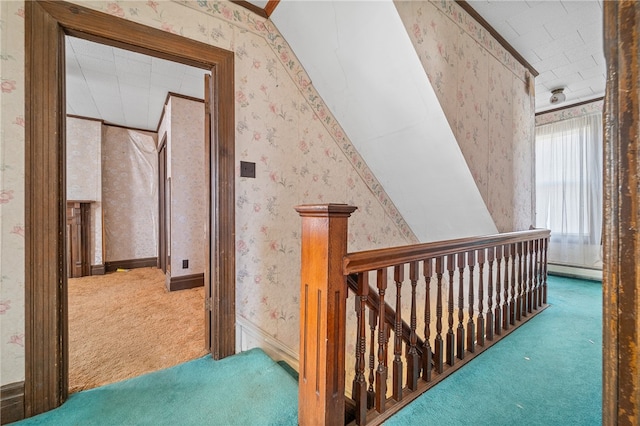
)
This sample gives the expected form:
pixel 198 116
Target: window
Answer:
pixel 569 189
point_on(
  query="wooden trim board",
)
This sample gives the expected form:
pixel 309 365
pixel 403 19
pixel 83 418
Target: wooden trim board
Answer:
pixel 186 282
pixel 130 264
pixel 98 269
pixel 12 397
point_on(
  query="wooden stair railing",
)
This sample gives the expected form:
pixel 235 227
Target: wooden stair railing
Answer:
pixel 490 285
pixel 373 303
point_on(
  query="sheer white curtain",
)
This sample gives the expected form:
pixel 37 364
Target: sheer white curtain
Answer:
pixel 569 189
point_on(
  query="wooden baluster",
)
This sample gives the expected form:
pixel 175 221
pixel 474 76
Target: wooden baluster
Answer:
pixel 451 339
pixel 373 322
pixel 471 329
pixel 426 347
pixel 514 299
pixel 531 286
pixel 480 332
pixel 498 311
pixel 439 343
pixel 413 358
pixel 359 390
pixel 544 271
pixel 518 284
pixel 506 308
pixel 540 272
pixel 460 330
pixel 489 321
pixel 537 275
pixel 381 372
pixel 523 279
pixel 398 276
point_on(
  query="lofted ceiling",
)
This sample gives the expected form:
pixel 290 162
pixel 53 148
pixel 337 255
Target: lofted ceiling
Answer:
pixel 561 39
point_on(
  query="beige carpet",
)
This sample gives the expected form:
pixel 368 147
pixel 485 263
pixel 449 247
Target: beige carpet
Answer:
pixel 125 324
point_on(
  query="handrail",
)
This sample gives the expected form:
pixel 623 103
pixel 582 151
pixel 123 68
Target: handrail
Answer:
pixel 369 260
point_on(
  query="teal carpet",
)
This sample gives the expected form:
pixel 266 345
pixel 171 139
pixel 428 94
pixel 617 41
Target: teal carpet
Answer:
pixel 246 389
pixel 548 372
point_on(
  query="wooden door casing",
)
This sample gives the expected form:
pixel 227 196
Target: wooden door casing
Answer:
pixel 78 239
pixel 46 305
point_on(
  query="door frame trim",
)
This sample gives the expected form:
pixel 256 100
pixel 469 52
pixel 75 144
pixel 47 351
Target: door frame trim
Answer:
pixel 46 327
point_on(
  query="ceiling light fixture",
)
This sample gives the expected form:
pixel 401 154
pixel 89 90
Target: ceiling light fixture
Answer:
pixel 557 96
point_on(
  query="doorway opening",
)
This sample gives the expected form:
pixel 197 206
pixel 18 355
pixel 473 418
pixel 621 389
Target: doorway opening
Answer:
pixel 46 327
pixel 129 117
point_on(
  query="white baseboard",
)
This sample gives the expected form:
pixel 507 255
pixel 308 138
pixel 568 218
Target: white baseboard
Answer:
pixel 249 336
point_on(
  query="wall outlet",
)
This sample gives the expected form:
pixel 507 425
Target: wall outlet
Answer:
pixel 247 169
pixel 185 263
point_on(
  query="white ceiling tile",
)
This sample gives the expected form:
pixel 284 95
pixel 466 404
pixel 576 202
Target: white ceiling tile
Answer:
pixel 596 71
pixel 131 55
pixel 581 95
pixel 92 63
pixel 560 45
pixel 579 52
pixel 157 95
pixel 531 40
pixel 561 81
pixel 192 87
pixel 600 59
pixel 580 84
pixel 167 68
pixel 552 62
pixel 135 80
pixel 546 77
pixel 112 112
pixel 171 84
pixel 88 48
pixel 530 19
pixel 574 67
pixel 101 83
pixel 499 11
pixel 129 66
pixel 506 31
pixel 196 72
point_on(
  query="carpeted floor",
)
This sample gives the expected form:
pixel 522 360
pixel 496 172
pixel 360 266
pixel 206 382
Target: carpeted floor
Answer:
pixel 548 372
pixel 125 324
pixel 246 389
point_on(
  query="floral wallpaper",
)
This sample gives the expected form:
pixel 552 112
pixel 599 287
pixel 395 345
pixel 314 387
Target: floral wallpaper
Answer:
pixel 84 174
pixel 487 97
pixel 301 153
pixel 185 161
pixel 12 261
pixel 129 194
pixel 566 113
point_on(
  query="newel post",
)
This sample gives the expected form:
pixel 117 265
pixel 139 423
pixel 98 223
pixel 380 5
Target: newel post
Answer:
pixel 323 295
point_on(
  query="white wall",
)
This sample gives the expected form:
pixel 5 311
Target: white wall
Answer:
pixel 185 153
pixel 84 174
pixel 385 103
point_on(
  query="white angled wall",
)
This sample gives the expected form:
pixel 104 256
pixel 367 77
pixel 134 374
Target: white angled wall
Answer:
pixel 364 66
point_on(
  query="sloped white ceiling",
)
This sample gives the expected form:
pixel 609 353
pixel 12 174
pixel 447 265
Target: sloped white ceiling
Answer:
pixel 366 69
pixel 123 87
